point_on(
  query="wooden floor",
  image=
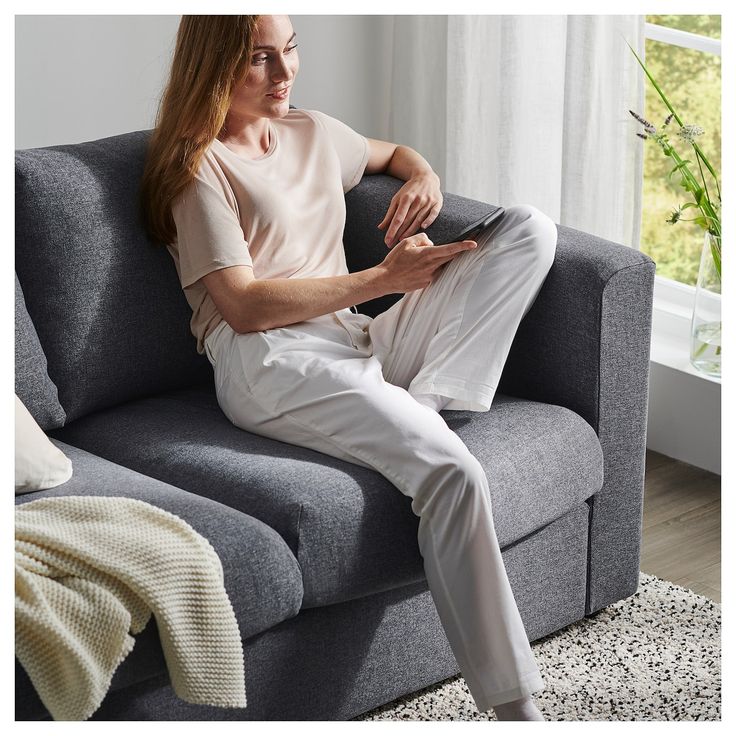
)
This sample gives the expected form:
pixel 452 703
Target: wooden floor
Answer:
pixel 682 525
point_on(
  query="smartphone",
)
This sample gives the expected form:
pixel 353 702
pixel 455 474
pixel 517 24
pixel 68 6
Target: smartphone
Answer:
pixel 475 228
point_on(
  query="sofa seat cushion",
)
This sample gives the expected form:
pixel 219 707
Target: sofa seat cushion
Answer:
pixel 261 575
pixel 352 531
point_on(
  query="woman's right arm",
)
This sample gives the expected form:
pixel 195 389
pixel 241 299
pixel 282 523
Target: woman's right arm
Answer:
pixel 249 304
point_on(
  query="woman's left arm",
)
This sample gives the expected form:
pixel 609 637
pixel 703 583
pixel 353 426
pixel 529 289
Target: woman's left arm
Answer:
pixel 416 205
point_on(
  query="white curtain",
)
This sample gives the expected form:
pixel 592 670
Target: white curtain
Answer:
pixel 527 109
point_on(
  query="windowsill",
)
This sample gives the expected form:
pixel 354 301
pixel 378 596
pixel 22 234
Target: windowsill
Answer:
pixel 670 346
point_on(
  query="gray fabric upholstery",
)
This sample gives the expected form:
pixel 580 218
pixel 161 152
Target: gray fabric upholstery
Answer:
pixel 616 515
pixel 32 383
pixel 328 509
pixel 261 575
pixel 563 447
pixel 107 305
pixel 583 345
pixel 336 662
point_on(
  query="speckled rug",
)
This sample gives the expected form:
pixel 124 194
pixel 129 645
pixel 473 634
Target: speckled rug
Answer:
pixel 654 656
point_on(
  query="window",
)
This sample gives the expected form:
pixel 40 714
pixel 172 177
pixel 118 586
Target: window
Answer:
pixel 683 54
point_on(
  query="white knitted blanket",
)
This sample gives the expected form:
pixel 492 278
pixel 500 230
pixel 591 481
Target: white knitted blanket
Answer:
pixel 90 569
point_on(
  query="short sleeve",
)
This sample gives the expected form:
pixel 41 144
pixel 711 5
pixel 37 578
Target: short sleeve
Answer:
pixel 209 235
pixel 352 148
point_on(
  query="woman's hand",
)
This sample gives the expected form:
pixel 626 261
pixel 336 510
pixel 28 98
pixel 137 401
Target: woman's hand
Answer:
pixel 415 206
pixel 415 262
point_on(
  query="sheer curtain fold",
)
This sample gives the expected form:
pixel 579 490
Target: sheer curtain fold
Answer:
pixel 527 109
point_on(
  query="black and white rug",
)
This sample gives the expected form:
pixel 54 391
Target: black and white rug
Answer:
pixel 654 656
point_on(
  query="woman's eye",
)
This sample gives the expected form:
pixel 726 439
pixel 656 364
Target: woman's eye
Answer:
pixel 262 59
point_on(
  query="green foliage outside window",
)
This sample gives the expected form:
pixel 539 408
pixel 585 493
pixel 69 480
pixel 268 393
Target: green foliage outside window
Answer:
pixel 692 82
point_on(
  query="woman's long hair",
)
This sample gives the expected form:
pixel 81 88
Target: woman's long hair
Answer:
pixel 212 54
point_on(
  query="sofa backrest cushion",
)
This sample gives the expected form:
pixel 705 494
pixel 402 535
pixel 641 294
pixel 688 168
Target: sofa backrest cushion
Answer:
pixel 32 383
pixel 106 303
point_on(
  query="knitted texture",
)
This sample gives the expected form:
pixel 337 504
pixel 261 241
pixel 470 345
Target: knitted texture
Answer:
pixel 91 569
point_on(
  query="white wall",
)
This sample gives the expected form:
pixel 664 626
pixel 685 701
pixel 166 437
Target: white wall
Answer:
pixel 684 417
pixel 82 77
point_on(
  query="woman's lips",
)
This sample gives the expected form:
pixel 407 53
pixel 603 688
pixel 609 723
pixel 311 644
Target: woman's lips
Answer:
pixel 280 96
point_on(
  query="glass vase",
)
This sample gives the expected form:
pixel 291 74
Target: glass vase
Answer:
pixel 705 328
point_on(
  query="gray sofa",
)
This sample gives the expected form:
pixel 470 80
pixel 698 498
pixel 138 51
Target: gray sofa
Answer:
pixel 320 556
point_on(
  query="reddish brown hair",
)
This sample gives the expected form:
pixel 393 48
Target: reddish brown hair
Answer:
pixel 212 55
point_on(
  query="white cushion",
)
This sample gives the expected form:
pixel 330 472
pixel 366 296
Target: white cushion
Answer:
pixel 39 464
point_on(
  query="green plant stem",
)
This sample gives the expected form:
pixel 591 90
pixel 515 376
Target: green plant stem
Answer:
pixel 700 350
pixel 715 251
pixel 698 152
pixel 701 157
pixel 702 176
pixel 703 205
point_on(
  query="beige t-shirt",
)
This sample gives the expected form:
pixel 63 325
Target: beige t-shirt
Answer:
pixel 283 213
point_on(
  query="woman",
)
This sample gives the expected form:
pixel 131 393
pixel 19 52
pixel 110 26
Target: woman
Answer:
pixel 248 195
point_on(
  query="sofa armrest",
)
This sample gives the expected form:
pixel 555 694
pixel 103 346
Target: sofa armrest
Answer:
pixel 583 345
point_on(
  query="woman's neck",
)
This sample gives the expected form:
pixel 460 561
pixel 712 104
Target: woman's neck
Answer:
pixel 251 139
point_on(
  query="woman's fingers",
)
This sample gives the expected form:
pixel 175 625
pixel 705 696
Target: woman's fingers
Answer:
pixel 414 225
pixel 407 216
pixel 431 215
pixel 397 223
pixel 413 222
pixel 450 250
pixel 389 213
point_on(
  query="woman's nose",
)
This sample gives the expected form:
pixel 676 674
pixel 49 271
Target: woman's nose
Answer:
pixel 284 70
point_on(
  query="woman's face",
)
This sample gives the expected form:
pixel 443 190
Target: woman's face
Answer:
pixel 270 69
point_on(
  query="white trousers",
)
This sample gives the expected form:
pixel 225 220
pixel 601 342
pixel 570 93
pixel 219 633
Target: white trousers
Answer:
pixel 344 384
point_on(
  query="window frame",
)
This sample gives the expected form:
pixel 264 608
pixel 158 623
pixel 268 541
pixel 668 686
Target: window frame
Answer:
pixel 685 39
pixel 674 300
